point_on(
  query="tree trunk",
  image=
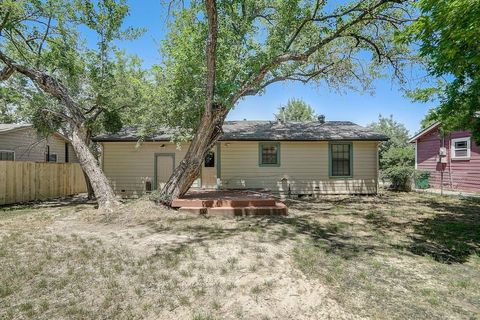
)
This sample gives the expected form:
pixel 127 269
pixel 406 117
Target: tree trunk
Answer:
pixel 90 192
pixel 103 191
pixel 88 142
pixel 74 117
pixel 182 178
pixel 210 128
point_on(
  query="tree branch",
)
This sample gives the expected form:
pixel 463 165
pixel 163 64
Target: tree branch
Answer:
pixel 4 21
pixel 302 77
pixel 40 46
pixel 211 53
pixel 6 73
pixel 303 57
pixel 368 41
pixel 27 41
pixel 95 115
pixel 57 114
pixel 304 22
pixel 48 84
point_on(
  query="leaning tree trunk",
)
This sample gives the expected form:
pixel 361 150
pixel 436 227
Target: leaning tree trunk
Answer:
pixel 79 134
pixel 90 192
pixel 103 191
pixel 88 141
pixel 210 128
pixel 182 178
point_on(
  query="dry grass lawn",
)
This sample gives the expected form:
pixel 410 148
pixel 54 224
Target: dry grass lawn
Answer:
pixel 394 256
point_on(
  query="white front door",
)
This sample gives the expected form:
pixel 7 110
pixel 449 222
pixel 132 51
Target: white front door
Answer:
pixel 164 165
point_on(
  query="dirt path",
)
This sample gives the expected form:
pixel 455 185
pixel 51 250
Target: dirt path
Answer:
pixel 260 277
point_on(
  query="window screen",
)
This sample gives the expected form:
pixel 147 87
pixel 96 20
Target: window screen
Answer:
pixel 7 155
pixel 461 149
pixel 269 154
pixel 341 160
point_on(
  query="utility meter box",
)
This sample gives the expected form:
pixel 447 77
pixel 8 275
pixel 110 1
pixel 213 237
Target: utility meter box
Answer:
pixel 441 159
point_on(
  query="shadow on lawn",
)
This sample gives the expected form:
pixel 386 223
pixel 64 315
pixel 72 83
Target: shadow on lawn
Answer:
pixel 69 201
pixel 275 229
pixel 452 235
pixel 327 236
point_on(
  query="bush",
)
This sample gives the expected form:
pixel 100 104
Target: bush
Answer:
pixel 398 166
pixel 400 177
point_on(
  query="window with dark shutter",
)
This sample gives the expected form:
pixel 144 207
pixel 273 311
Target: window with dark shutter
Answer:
pixel 269 154
pixel 340 157
pixel 7 155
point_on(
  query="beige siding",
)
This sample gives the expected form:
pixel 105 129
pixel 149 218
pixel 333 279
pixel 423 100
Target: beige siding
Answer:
pixel 28 145
pixel 129 165
pixel 303 169
pixel 72 157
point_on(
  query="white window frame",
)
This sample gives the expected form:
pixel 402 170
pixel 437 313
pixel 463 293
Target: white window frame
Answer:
pixel 9 151
pixel 467 157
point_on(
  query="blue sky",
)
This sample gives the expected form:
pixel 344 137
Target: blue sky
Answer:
pixel 353 106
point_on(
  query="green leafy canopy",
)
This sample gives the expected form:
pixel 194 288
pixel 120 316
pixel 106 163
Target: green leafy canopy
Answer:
pixel 47 35
pixel 263 42
pixel 448 35
pixel 396 132
pixel 296 110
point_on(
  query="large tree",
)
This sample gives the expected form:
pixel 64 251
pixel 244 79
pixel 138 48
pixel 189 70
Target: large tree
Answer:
pixel 396 155
pixel 396 132
pixel 295 110
pixel 65 84
pixel 448 35
pixel 218 52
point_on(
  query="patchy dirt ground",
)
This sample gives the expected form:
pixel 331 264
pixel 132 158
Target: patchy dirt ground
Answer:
pixel 393 256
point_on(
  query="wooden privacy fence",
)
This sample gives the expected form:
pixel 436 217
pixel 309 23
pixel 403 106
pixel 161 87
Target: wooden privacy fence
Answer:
pixel 22 181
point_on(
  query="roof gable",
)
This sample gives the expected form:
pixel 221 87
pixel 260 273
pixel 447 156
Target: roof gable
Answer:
pixel 424 132
pixel 12 127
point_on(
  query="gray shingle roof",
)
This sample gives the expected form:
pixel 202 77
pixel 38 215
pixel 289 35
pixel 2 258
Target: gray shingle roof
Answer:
pixel 268 131
pixel 6 127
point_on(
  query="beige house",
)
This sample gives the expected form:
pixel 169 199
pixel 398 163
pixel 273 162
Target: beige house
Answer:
pixel 291 158
pixel 21 142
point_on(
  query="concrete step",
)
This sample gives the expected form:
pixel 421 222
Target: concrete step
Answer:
pixel 279 209
pixel 193 210
pixel 214 203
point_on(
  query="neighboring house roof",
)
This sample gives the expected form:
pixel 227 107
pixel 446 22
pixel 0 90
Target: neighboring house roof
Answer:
pixel 11 127
pixel 8 127
pixel 424 132
pixel 268 131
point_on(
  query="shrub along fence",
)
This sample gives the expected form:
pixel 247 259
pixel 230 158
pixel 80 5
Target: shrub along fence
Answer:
pixel 22 181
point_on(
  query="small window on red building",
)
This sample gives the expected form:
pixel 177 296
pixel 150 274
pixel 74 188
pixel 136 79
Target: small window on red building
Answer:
pixel 461 148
